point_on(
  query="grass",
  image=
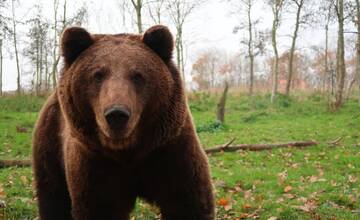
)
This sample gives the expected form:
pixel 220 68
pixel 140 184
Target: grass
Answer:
pixel 320 182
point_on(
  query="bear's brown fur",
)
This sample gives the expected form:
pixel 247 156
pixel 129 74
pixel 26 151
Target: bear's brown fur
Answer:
pixel 116 128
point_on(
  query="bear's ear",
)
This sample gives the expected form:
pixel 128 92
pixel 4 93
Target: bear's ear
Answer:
pixel 74 41
pixel 160 40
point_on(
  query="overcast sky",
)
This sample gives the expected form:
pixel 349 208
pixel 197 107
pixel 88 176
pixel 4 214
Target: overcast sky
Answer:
pixel 210 26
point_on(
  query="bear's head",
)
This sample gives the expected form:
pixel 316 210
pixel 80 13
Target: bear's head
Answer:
pixel 120 90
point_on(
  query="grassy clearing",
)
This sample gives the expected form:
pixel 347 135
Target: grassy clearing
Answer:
pixel 320 182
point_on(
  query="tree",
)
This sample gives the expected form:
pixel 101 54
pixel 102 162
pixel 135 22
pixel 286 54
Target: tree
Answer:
pixel 5 33
pixel 220 113
pixel 358 44
pixel 138 5
pixel 15 42
pixel 340 57
pixel 255 40
pixel 36 51
pixel 299 6
pixel 276 6
pixel 179 11
pixel 78 18
pixel 205 68
pixel 155 10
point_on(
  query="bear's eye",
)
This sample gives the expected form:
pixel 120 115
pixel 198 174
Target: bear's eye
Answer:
pixel 138 78
pixel 99 76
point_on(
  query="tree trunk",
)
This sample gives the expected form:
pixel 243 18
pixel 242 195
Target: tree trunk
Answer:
pixel 18 90
pixel 54 66
pixel 327 73
pixel 220 114
pixel 250 51
pixel 41 67
pixel 259 147
pixel 358 45
pixel 341 71
pixel 293 45
pixel 138 6
pixel 276 11
pixel 37 80
pixel 1 66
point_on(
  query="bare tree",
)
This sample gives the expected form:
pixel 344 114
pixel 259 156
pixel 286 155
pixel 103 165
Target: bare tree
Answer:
pixel 340 57
pixel 179 11
pixel 78 18
pixel 155 10
pixel 138 5
pixel 299 5
pixel 328 16
pixel 55 55
pixel 205 68
pixel 276 6
pixel 37 48
pixel 5 33
pixel 14 23
pixel 358 44
pixel 245 7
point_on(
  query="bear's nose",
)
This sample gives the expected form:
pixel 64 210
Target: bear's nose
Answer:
pixel 117 116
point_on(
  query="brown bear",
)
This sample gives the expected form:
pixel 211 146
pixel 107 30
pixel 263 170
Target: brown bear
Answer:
pixel 116 128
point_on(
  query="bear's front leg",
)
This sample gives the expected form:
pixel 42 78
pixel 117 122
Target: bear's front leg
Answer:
pixel 98 188
pixel 177 179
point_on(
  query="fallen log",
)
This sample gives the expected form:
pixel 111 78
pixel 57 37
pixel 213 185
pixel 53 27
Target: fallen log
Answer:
pixel 228 147
pixel 12 163
pixel 259 147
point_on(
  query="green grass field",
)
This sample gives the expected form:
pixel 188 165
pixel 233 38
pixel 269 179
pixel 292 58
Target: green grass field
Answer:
pixel 319 182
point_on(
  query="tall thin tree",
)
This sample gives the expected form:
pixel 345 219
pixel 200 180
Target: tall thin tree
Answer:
pixel 358 44
pixel 340 56
pixel 138 5
pixel 15 42
pixel 276 6
pixel 299 6
pixel 179 11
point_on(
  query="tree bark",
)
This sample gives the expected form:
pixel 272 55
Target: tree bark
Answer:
pixel 293 45
pixel 12 163
pixel 54 66
pixel 220 114
pixel 327 72
pixel 341 71
pixel 250 49
pixel 276 7
pixel 358 45
pixel 138 6
pixel 1 66
pixel 18 90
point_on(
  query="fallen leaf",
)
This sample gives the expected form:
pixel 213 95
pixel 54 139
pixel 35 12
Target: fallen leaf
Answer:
pixel 21 129
pixel 228 207
pixel 24 180
pixel 289 196
pixel 246 206
pixel 223 202
pixel 2 192
pixel 282 177
pixel 244 215
pixel 352 179
pixel 309 206
pixel 287 189
pixel 247 194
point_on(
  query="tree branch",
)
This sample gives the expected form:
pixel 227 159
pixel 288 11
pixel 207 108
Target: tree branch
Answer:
pixel 259 147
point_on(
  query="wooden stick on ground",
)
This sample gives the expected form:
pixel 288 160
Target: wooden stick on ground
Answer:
pixel 12 163
pixel 219 148
pixel 258 147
